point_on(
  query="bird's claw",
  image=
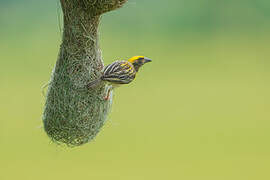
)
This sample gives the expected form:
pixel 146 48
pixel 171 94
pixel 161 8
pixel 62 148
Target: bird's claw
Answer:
pixel 108 93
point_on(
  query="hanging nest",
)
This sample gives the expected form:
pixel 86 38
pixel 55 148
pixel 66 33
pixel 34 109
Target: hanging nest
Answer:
pixel 73 113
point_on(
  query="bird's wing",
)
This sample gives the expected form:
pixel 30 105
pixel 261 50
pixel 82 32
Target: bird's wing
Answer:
pixel 121 72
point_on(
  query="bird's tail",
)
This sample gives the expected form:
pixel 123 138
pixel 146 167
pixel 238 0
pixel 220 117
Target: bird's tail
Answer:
pixel 93 83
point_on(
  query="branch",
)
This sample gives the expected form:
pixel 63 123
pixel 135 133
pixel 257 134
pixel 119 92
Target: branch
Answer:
pixel 102 6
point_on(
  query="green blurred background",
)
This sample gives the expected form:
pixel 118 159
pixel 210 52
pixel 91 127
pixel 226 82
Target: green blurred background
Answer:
pixel 200 110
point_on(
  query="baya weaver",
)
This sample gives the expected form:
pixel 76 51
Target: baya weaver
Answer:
pixel 120 72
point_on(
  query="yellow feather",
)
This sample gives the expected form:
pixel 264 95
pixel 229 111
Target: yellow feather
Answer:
pixel 134 58
pixel 124 64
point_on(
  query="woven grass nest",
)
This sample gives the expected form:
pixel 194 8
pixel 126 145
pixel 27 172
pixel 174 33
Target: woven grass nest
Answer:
pixel 73 113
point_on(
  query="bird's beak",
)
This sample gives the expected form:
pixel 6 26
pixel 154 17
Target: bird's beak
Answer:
pixel 146 60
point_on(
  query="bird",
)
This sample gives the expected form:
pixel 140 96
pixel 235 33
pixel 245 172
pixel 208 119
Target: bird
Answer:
pixel 120 72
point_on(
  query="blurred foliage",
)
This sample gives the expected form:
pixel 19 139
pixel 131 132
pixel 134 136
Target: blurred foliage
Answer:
pixel 173 16
pixel 199 111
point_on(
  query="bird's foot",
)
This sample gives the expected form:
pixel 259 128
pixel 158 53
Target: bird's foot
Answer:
pixel 108 93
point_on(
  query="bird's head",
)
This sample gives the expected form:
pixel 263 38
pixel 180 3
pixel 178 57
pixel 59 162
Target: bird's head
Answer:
pixel 138 61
